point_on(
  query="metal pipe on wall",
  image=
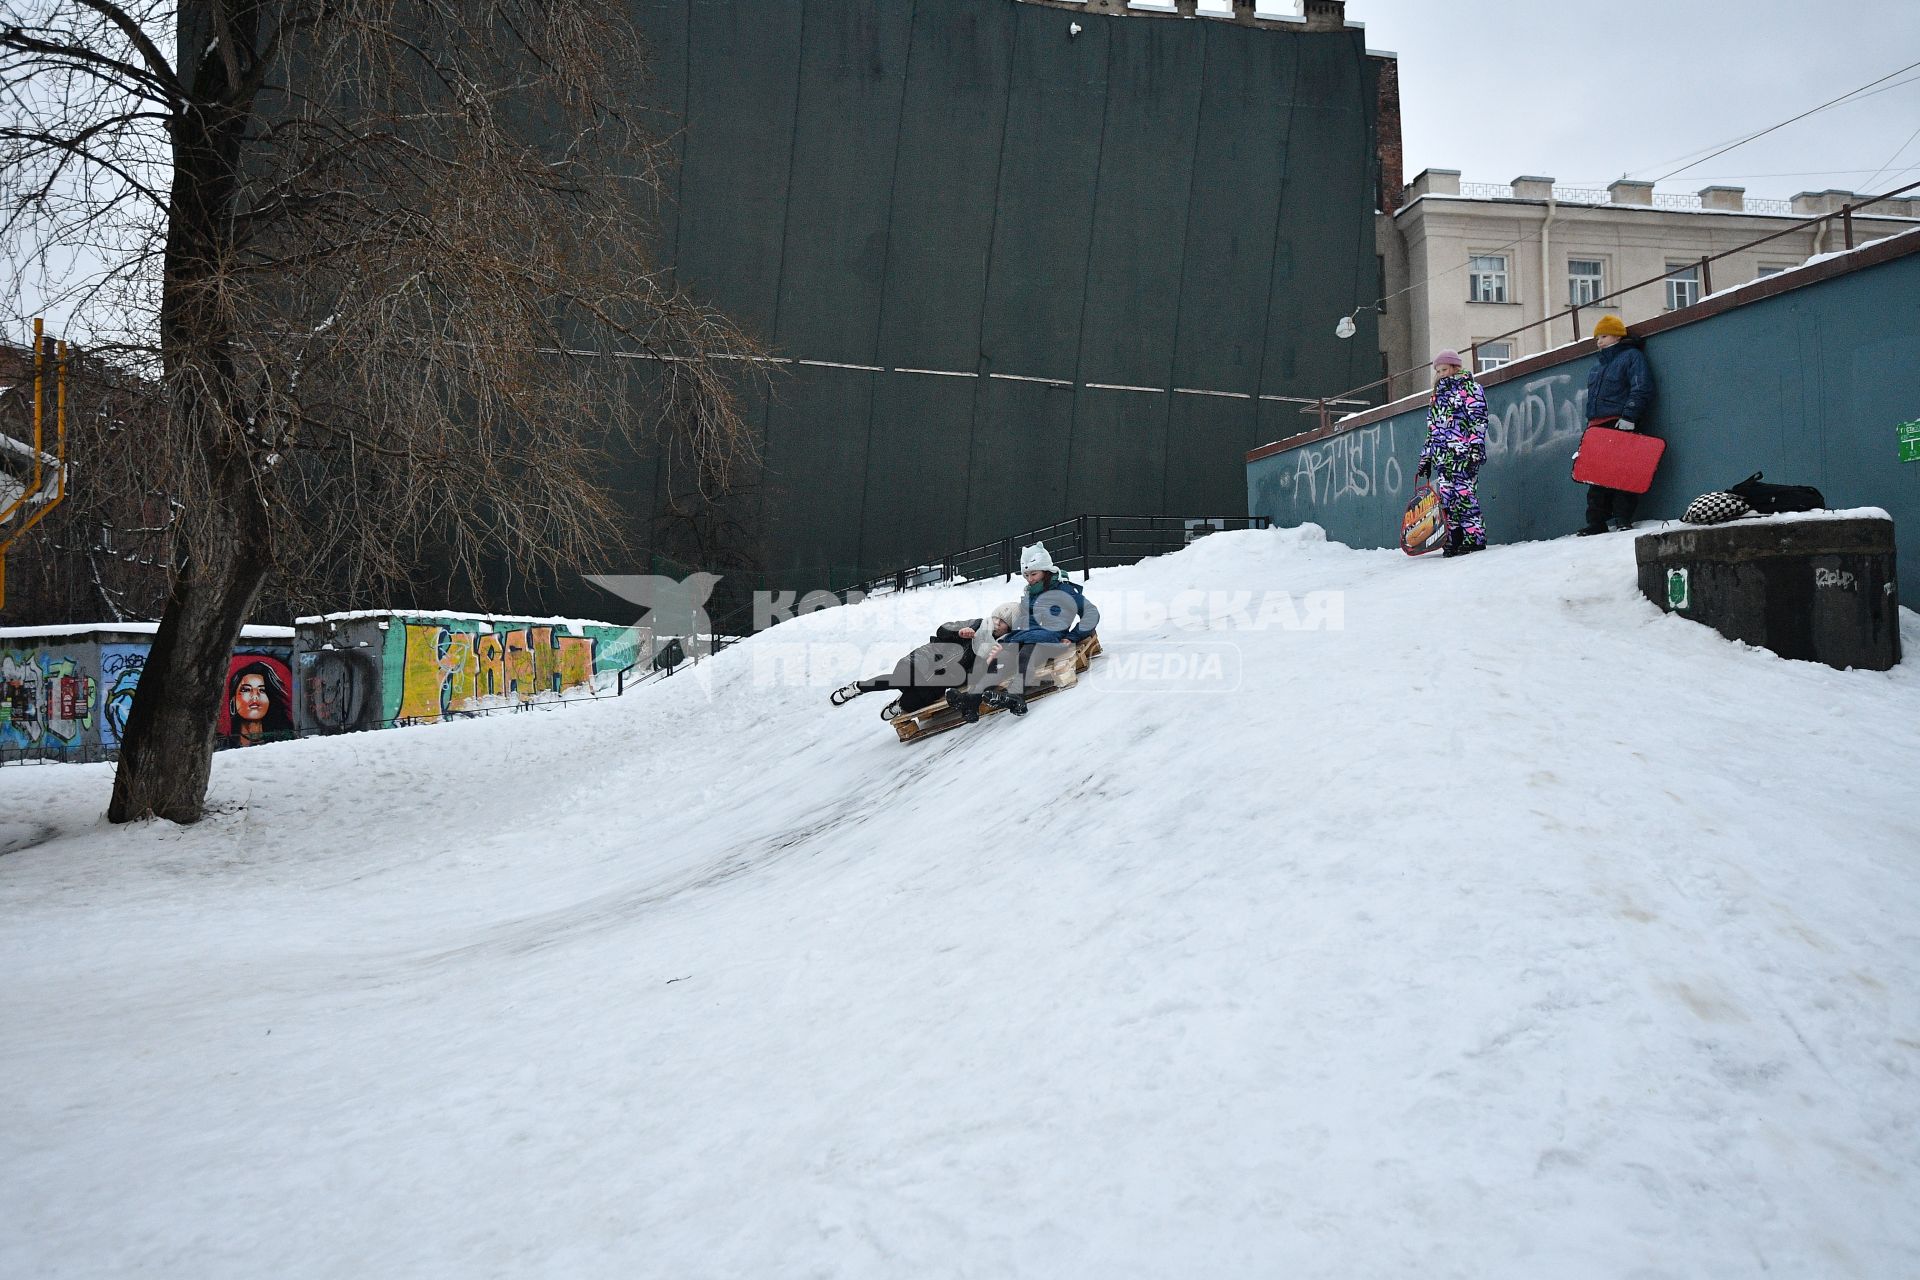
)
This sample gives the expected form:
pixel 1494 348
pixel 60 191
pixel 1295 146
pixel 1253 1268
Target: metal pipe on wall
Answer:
pixel 1546 267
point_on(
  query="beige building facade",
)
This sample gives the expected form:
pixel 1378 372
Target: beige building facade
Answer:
pixel 1465 264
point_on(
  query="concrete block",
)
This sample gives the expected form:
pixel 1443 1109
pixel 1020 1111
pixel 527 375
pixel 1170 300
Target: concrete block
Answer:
pixel 1820 589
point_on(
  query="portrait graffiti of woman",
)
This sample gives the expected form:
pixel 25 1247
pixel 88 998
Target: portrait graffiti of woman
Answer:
pixel 256 707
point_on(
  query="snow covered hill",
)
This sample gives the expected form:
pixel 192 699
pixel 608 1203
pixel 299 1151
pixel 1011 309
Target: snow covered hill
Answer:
pixel 1511 929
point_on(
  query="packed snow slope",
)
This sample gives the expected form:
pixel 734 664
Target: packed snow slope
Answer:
pixel 1512 929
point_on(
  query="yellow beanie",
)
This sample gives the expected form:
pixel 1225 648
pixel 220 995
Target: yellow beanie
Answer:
pixel 1610 325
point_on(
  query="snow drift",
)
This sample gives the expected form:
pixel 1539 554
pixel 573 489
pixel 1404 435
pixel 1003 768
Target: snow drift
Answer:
pixel 1478 920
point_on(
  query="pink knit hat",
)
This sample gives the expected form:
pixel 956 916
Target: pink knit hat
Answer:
pixel 1450 357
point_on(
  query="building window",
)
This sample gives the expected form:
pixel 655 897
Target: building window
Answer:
pixel 1491 355
pixel 1586 281
pixel 1487 278
pixel 1773 270
pixel 1683 285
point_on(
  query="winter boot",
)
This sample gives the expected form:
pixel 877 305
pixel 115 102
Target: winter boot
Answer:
pixel 967 704
pixel 1014 702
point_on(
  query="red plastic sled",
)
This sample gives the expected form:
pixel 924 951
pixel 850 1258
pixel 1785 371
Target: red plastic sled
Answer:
pixel 1424 527
pixel 1615 459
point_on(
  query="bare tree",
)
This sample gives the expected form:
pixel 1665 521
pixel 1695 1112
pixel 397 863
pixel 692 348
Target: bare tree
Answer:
pixel 389 262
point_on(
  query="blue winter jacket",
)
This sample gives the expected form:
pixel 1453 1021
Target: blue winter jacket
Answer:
pixel 1061 612
pixel 1619 385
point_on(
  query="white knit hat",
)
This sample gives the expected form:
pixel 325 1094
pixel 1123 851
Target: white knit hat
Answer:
pixel 1036 557
pixel 1008 613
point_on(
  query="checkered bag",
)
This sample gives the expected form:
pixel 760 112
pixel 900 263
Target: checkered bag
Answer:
pixel 1717 508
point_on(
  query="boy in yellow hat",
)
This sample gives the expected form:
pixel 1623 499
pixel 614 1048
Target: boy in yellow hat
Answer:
pixel 1619 393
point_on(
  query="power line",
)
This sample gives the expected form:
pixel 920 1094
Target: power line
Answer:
pixel 1727 144
pixel 1784 123
pixel 1895 156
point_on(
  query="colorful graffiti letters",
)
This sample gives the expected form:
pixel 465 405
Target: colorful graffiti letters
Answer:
pixel 447 670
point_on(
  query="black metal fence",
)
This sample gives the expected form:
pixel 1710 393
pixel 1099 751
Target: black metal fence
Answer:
pixel 1079 544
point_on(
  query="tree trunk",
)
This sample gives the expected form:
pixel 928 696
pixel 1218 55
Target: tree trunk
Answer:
pixel 166 750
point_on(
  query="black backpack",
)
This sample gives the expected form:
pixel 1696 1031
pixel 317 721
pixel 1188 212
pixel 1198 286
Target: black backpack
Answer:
pixel 1772 499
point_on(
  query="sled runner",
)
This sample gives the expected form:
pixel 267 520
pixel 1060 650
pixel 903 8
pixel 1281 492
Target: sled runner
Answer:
pixel 1424 527
pixel 1058 673
pixel 1615 459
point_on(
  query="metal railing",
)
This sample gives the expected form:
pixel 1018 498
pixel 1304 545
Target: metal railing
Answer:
pixel 1674 200
pixel 1844 215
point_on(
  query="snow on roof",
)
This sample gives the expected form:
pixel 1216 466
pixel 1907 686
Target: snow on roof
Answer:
pixel 21 449
pixel 360 615
pixel 1815 260
pixel 77 629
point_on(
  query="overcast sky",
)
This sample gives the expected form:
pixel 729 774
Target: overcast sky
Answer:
pixel 1586 92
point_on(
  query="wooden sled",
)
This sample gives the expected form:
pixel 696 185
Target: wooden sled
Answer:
pixel 1052 676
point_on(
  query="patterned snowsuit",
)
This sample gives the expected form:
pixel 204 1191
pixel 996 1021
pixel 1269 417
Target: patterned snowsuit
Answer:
pixel 1456 446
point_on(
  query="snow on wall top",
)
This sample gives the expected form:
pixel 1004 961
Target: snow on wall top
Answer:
pixel 79 629
pixel 362 615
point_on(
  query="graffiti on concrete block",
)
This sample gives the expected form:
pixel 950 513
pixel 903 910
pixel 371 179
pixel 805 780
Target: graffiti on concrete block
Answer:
pixel 449 670
pixel 341 690
pixel 45 700
pixel 120 668
pixel 256 707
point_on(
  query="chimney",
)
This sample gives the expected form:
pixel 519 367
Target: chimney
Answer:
pixel 1435 182
pixel 1629 191
pixel 1326 15
pixel 1724 199
pixel 1895 208
pixel 1811 204
pixel 1531 187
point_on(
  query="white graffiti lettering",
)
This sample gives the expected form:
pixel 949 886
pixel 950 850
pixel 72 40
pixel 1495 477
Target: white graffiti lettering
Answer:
pixel 1358 464
pixel 1838 579
pixel 1545 413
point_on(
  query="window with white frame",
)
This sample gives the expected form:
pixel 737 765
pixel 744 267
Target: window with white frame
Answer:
pixel 1683 285
pixel 1586 280
pixel 1491 355
pixel 1487 277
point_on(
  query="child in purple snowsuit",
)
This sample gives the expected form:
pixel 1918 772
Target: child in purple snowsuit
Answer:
pixel 1456 446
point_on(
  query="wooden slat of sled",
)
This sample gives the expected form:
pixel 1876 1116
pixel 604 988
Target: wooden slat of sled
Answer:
pixel 1061 673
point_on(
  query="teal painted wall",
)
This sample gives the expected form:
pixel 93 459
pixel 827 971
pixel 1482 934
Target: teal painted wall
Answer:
pixel 1808 386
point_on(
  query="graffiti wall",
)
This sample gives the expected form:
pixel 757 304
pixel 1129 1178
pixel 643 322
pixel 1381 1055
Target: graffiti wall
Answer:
pixel 46 698
pixel 66 695
pixel 120 668
pixel 361 671
pixel 339 691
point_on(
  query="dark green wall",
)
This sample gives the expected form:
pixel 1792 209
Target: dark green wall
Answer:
pixel 958 185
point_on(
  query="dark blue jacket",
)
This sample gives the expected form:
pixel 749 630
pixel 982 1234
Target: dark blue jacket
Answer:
pixel 1619 385
pixel 1061 612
